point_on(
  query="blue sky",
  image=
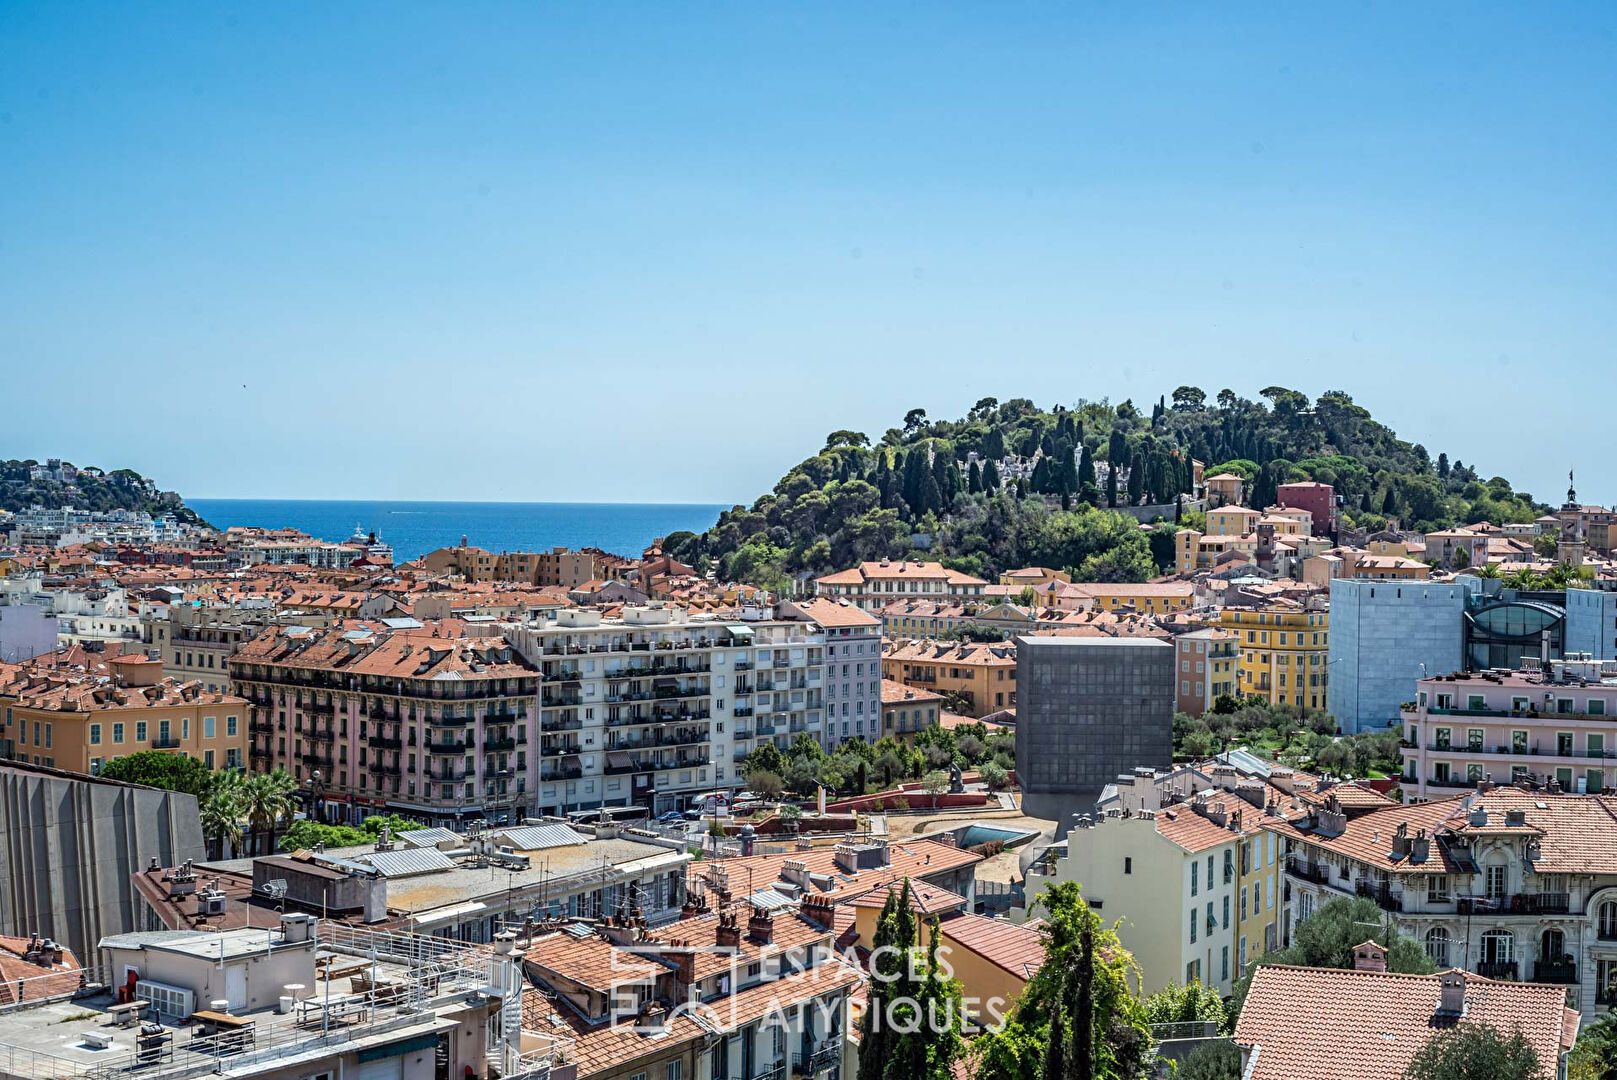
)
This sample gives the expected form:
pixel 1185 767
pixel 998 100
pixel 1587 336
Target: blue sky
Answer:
pixel 655 252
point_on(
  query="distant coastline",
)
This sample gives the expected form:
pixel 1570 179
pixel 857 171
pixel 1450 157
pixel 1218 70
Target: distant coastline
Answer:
pixel 414 528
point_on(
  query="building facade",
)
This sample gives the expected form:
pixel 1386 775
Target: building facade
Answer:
pixel 874 585
pixel 1204 669
pixel 657 705
pixel 1511 884
pixel 978 678
pixel 1283 654
pixel 1088 709
pixel 1382 638
pixel 1555 724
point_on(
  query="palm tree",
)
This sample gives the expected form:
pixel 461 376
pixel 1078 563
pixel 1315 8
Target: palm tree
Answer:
pixel 221 812
pixel 268 799
pixel 1487 570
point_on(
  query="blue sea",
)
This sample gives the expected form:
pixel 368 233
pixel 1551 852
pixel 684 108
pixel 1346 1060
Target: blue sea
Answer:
pixel 415 528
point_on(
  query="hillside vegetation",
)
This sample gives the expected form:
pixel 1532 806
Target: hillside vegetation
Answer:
pixel 118 489
pixel 1012 484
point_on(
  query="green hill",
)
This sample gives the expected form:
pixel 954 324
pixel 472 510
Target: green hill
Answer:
pixel 939 488
pixel 88 488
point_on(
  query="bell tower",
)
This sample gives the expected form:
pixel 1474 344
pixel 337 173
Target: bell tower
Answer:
pixel 1569 547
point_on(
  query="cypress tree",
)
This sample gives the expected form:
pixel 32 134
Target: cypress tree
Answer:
pixel 990 476
pixel 974 479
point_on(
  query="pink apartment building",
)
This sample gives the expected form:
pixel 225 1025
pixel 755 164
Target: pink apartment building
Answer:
pixel 1557 725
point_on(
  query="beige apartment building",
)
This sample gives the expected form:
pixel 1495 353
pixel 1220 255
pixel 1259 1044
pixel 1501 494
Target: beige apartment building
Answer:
pixel 874 585
pixel 559 566
pixel 78 719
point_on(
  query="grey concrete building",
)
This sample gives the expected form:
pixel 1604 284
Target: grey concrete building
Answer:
pixel 1591 622
pixel 69 845
pixel 1382 633
pixel 1087 710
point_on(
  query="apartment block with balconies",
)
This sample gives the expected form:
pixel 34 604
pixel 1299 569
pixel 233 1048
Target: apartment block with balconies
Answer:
pixel 1554 725
pixel 656 706
pixel 1509 883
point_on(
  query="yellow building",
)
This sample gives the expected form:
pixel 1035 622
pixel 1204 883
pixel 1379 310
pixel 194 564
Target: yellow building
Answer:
pixel 78 720
pixel 981 677
pixel 1232 521
pixel 1284 653
pixel 1257 927
pixel 1198 551
pixel 1035 576
pixel 906 710
pixel 1146 597
pixel 991 958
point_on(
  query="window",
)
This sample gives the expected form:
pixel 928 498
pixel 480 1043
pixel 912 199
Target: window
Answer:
pixel 1437 946
pixel 140 731
pixel 1608 921
pixel 117 733
pixel 208 726
pixel 95 734
pixel 1193 926
pixel 230 726
pixel 1437 889
pixel 1128 865
pixel 1496 882
pixel 1193 972
pixel 1229 866
pixel 674 1068
pixel 1194 867
pixel 1224 962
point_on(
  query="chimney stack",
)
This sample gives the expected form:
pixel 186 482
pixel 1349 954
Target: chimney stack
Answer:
pixel 1369 956
pixel 761 927
pixel 728 933
pixel 1451 993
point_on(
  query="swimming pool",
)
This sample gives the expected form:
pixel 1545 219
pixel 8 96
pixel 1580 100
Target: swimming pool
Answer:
pixel 972 835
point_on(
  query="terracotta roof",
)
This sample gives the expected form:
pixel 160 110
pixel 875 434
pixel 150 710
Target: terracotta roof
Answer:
pixel 828 612
pixel 1016 948
pixel 1335 1024
pixel 896 693
pixel 37 980
pixel 915 859
pixel 925 898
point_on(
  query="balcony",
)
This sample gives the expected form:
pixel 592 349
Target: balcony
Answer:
pixel 561 772
pixel 444 747
pixel 493 745
pixel 1497 969
pixel 1386 898
pixel 321 735
pixel 571 723
pixel 382 742
pixel 448 721
pixel 1564 972
pixel 165 742
pixel 260 727
pixel 1318 873
pixel 826 1057
pixel 747 711
pixel 560 749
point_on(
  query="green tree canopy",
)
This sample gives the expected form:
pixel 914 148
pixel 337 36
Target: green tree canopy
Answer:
pixel 159 768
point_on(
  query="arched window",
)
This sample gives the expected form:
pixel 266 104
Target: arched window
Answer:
pixel 1437 946
pixel 1608 920
pixel 1498 954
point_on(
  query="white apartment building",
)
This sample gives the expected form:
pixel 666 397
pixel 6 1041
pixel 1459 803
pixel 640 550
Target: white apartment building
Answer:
pixel 1173 877
pixel 657 705
pixel 1509 883
pixel 853 641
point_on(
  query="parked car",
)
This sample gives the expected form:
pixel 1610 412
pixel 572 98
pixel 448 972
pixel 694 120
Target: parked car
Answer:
pixel 671 817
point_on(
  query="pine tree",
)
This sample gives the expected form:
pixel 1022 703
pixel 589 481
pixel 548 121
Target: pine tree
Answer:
pixel 990 476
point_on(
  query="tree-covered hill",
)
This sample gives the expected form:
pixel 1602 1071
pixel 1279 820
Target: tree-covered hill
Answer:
pixel 22 486
pixel 1012 484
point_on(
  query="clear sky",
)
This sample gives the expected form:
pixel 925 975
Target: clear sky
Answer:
pixel 655 252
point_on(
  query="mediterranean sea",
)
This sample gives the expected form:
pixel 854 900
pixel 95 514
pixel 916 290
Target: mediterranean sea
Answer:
pixel 415 528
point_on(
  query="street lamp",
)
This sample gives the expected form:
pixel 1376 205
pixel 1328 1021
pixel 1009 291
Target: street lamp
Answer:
pixel 316 795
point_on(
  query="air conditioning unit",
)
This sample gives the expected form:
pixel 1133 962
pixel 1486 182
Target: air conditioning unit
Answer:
pixel 167 1002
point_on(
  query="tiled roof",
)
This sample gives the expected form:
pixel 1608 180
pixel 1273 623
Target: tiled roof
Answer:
pixel 1193 832
pixel 914 859
pixel 895 693
pixel 925 898
pixel 36 980
pixel 1334 1024
pixel 1577 833
pixel 1017 948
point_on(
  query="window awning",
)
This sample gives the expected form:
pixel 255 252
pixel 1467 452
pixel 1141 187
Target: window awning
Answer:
pixel 739 631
